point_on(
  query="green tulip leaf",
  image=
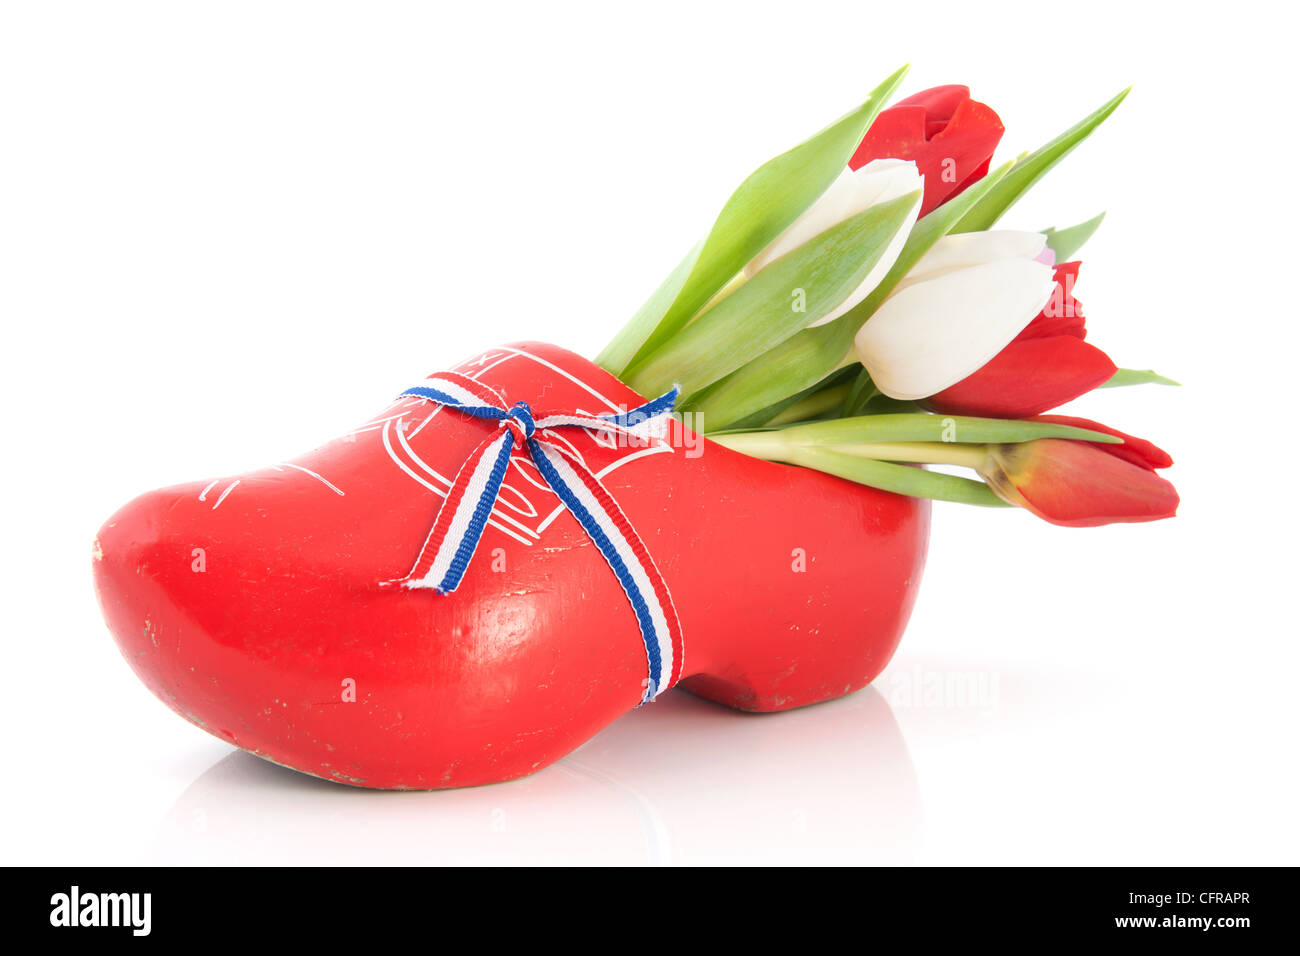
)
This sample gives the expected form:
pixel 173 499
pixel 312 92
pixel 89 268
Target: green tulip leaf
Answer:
pixel 1031 168
pixel 797 289
pixel 619 351
pixel 863 391
pixel 1066 242
pixel 1132 376
pixel 763 206
pixel 766 417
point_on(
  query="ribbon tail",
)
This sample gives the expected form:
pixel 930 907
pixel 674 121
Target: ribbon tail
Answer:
pixel 464 514
pixel 608 527
pixel 662 405
pixel 629 424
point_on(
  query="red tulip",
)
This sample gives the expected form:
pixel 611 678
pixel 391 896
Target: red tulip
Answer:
pixel 949 136
pixel 1046 365
pixel 1081 484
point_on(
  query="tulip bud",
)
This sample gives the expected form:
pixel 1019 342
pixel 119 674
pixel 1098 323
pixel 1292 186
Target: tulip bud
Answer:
pixel 960 305
pixel 949 136
pixel 1078 484
pixel 852 192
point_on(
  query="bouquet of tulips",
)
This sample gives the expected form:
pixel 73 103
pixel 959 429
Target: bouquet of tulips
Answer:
pixel 855 310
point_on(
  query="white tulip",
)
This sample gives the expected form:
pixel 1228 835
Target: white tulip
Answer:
pixel 852 192
pixel 959 306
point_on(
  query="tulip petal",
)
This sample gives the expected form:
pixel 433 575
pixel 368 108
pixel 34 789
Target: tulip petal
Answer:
pixel 938 102
pixel 852 192
pixel 1078 485
pixel 1027 377
pixel 1137 450
pixel 1068 320
pixel 972 249
pixel 1063 314
pixel 933 334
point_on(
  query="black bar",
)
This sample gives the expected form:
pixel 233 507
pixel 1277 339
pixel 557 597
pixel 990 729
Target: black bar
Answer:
pixel 1228 906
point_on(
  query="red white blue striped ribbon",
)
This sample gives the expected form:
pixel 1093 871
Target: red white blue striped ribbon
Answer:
pixel 464 514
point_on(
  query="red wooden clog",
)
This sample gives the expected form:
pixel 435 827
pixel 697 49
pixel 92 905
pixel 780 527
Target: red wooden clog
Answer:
pixel 255 605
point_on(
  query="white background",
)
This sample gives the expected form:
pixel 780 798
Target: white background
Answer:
pixel 228 231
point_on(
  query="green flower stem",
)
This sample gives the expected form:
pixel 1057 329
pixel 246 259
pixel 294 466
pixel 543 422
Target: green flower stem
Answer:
pixel 911 428
pixel 781 446
pixel 902 479
pixel 925 453
pixel 770 446
pixel 882 450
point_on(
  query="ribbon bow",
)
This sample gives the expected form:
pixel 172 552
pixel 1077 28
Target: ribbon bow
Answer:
pixel 464 514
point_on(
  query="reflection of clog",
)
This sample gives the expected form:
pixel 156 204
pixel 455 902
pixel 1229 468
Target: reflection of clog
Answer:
pixel 253 605
pixel 829 784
